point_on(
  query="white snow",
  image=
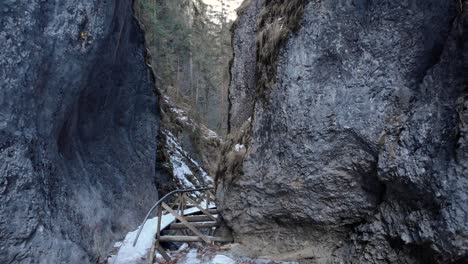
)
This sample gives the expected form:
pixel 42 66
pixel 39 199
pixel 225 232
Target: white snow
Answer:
pixel 128 254
pixel 229 7
pixel 118 244
pixel 183 247
pixel 180 169
pixel 183 118
pixel 211 134
pixel 221 259
pixel 191 257
pixel 238 147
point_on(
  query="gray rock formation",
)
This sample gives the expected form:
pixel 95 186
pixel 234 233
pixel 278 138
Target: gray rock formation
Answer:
pixel 356 151
pixel 241 95
pixel 78 124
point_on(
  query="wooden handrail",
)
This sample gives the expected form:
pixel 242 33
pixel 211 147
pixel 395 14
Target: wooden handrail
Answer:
pixel 164 199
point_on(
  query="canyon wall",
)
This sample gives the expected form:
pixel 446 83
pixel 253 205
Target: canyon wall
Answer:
pixel 78 127
pixel 354 150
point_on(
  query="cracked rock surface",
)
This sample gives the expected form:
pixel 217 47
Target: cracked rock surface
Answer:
pixel 357 153
pixel 78 124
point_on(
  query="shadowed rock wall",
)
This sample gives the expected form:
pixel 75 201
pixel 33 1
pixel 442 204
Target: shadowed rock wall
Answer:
pixel 78 125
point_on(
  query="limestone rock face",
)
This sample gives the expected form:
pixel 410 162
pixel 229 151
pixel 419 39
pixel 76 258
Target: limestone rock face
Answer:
pixel 241 94
pixel 357 152
pixel 78 125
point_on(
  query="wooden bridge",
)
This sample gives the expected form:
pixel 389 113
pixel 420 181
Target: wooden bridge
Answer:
pixel 195 220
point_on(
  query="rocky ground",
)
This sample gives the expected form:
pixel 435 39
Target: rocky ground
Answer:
pixel 212 254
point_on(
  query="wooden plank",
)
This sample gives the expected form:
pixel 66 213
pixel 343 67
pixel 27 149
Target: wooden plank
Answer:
pixel 201 198
pixel 198 218
pixel 177 226
pixel 212 195
pixel 213 211
pixel 175 203
pixel 151 252
pixel 158 230
pixel 186 223
pixel 208 201
pixel 162 251
pixel 201 208
pixel 194 239
pixel 181 204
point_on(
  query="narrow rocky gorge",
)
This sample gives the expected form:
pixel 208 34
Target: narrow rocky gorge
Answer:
pixel 348 131
pixel 337 134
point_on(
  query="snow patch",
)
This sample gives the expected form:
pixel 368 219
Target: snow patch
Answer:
pixel 238 147
pixel 129 254
pixel 221 259
pixel 180 169
pixel 192 257
pixel 211 134
pixel 183 247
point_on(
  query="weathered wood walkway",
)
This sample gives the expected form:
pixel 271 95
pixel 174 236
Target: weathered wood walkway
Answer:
pixel 186 228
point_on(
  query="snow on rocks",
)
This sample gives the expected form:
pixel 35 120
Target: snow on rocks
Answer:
pixel 239 147
pixel 179 159
pixel 221 259
pixel 182 117
pixel 191 134
pixel 190 258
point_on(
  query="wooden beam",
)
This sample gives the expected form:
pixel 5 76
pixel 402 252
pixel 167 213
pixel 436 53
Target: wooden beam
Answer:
pixel 201 198
pixel 175 203
pixel 194 239
pixel 201 208
pixel 181 204
pixel 151 252
pixel 158 229
pixel 213 211
pixel 162 251
pixel 198 218
pixel 186 223
pixel 177 226
pixel 207 200
pixel 208 192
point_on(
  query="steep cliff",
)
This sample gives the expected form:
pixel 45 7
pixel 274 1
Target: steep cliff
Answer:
pixel 78 125
pixel 355 147
pixel 241 93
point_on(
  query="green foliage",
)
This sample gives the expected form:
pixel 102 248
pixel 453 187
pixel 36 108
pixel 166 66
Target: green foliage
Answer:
pixel 276 21
pixel 190 55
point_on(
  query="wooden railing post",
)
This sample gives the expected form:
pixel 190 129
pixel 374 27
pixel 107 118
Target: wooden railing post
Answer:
pixel 160 201
pixel 179 204
pixel 201 198
pixel 207 200
pixel 182 202
pixel 151 252
pixel 156 240
pixel 186 223
pixel 158 230
pixel 205 211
